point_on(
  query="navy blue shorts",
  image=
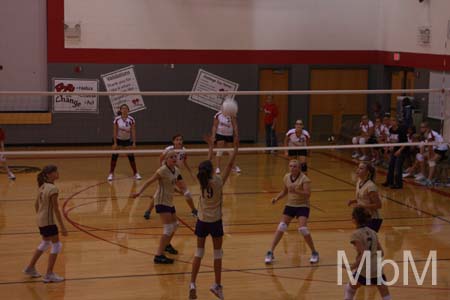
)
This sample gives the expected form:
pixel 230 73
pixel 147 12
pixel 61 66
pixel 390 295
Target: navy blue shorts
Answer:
pixel 160 209
pixel 373 281
pixel 441 153
pixel 49 230
pixel 375 224
pixel 124 143
pixel 302 152
pixel 295 212
pixel 226 138
pixel 203 229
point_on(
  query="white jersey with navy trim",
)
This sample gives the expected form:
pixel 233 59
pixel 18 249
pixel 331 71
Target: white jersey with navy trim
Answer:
pixel 366 127
pixel 124 127
pixel 181 155
pixel 433 136
pixel 295 140
pixel 225 126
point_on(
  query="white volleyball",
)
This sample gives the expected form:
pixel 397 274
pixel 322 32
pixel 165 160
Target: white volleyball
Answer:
pixel 229 107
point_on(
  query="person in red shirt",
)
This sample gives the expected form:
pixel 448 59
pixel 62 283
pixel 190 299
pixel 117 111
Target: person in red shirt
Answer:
pixel 270 120
pixel 3 158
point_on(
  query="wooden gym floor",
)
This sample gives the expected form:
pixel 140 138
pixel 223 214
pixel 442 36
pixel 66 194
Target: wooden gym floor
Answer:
pixel 109 251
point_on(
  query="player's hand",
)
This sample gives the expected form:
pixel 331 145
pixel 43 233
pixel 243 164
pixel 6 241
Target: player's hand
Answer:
pixel 114 146
pixel 133 146
pixel 351 202
pixel 135 195
pixel 274 201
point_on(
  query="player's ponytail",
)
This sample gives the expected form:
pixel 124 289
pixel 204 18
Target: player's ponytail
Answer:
pixel 204 174
pixel 42 176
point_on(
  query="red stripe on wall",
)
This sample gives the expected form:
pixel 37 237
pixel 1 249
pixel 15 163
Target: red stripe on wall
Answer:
pixel 58 54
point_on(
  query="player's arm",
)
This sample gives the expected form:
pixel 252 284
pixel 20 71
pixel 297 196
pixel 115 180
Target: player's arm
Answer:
pixel 375 201
pixel 149 182
pixel 232 159
pixel 280 195
pixel 133 134
pixel 54 200
pixel 305 191
pixel 115 135
pixel 286 141
pixel 214 128
pixel 235 128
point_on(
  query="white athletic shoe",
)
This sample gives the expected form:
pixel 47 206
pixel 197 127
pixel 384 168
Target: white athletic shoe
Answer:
pixel 53 277
pixel 110 176
pixel 237 169
pixel 419 177
pixel 137 176
pixel 269 258
pixel 362 158
pixel 314 258
pixel 355 155
pixel 407 174
pixel 192 292
pixel 33 273
pixel 216 289
pixel 11 175
pixel 217 171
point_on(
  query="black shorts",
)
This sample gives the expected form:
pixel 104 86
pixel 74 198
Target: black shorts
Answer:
pixel 441 153
pixel 295 212
pixel 160 209
pixel 203 229
pixel 375 224
pixel 372 140
pixel 373 281
pixel 49 230
pixel 302 152
pixel 226 138
pixel 124 143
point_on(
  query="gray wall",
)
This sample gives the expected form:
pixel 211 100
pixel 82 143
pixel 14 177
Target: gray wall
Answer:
pixel 164 116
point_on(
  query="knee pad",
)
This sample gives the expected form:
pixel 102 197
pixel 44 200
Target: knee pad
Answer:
pixel 354 140
pixel 188 194
pixel 219 153
pixel 131 158
pixel 304 230
pixel 431 163
pixel 349 292
pixel 168 229
pixel 43 246
pixel 419 157
pixel 304 167
pixel 56 248
pixel 362 141
pixel 115 156
pixel 199 252
pixel 218 253
pixel 282 227
pixel 175 226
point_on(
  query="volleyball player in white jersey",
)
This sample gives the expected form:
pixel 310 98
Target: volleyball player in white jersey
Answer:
pixel 47 209
pixel 365 132
pixel 177 144
pixel 435 154
pixel 298 137
pixel 124 137
pixel 297 186
pixel 380 136
pixel 223 130
pixel 168 176
pixel 367 195
pixel 210 218
pixel 3 158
